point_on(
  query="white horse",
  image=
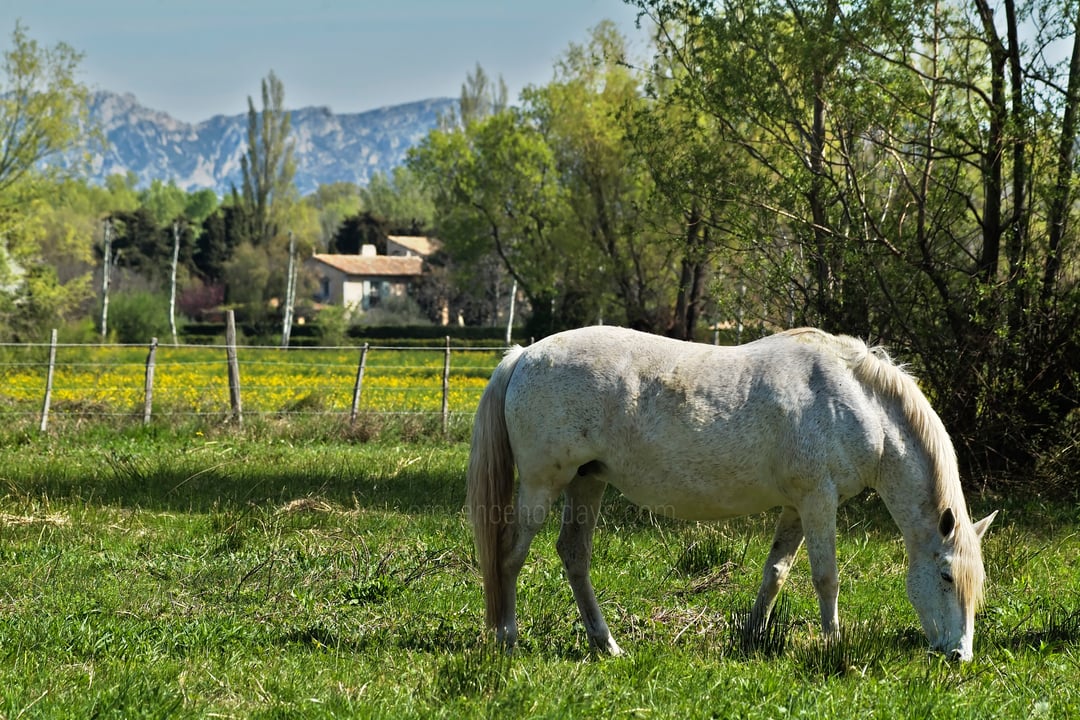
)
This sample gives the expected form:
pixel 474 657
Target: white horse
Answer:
pixel 802 420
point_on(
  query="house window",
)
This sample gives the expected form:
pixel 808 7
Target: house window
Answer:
pixel 324 289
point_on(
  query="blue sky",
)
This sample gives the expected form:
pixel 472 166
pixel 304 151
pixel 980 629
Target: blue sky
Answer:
pixel 198 58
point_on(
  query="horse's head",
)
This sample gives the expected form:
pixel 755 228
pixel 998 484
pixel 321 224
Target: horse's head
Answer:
pixel 945 584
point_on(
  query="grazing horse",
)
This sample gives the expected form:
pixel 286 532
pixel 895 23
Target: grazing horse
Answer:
pixel 802 420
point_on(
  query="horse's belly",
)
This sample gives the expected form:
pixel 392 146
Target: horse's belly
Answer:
pixel 699 499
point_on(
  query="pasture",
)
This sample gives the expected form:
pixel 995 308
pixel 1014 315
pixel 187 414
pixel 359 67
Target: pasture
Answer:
pixel 265 572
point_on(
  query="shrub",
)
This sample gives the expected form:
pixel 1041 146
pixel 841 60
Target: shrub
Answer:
pixel 138 316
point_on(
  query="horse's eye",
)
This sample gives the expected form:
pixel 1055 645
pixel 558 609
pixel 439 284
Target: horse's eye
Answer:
pixel 947 576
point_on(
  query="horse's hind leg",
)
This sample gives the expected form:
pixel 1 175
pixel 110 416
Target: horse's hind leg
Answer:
pixel 582 507
pixel 533 504
pixel 786 541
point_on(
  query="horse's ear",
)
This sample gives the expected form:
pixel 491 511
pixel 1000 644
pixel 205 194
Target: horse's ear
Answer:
pixel 982 525
pixel 946 523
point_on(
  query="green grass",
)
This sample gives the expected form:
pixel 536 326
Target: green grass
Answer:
pixel 272 573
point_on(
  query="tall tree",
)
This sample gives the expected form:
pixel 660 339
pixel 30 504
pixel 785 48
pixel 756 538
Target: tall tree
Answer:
pixel 497 191
pixel 268 166
pixel 481 96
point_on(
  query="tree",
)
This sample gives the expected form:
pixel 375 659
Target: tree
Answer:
pixel 400 200
pixel 555 196
pixel 900 168
pixel 220 234
pixel 496 190
pixel 333 203
pixel 42 113
pixel 480 97
pixel 43 109
pixel 625 229
pixel 268 166
pixel 164 201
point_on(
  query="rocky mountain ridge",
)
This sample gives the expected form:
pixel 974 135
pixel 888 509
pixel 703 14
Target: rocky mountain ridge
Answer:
pixel 330 147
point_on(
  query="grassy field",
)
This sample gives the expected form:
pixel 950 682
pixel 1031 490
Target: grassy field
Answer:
pixel 273 573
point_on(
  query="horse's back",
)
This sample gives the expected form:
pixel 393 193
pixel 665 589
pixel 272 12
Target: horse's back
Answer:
pixel 693 430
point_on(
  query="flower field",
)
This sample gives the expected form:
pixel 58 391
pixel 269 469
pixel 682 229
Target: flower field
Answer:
pixel 193 380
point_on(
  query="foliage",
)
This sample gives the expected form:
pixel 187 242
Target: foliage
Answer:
pixel 37 300
pixel 247 277
pixel 894 171
pixel 332 324
pixel 42 112
pixel 268 166
pixel 221 233
pixel 42 108
pixel 394 310
pixel 135 317
pixel 356 231
pixel 333 203
pixel 400 201
pixel 554 195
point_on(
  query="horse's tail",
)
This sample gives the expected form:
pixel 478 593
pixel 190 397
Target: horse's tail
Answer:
pixel 491 485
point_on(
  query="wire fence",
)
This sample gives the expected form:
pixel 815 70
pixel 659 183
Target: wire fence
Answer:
pixel 46 382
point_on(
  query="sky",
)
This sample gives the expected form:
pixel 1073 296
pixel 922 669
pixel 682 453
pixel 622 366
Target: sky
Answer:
pixel 198 58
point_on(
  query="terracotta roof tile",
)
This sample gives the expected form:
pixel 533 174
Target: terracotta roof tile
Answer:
pixel 373 265
pixel 418 244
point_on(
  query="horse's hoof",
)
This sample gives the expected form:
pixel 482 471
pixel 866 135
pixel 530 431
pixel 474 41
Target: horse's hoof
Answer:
pixel 607 646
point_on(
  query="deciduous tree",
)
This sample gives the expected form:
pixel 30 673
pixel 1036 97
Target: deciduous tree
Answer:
pixel 42 113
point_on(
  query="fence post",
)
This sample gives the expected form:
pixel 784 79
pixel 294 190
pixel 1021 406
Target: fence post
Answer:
pixel 358 384
pixel 148 393
pixel 48 382
pixel 234 367
pixel 446 388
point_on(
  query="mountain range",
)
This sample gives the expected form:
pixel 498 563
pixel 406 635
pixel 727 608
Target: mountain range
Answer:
pixel 329 147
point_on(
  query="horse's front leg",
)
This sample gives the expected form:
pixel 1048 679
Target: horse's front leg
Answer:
pixel 582 507
pixel 819 525
pixel 786 542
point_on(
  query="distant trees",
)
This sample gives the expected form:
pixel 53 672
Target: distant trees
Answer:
pixel 554 194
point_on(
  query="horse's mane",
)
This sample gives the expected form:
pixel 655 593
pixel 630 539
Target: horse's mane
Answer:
pixel 873 367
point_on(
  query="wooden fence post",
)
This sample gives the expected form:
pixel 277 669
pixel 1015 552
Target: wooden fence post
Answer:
pixel 358 384
pixel 446 388
pixel 49 382
pixel 234 367
pixel 148 393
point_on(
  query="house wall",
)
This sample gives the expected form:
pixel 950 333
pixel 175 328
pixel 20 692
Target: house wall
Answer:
pixel 355 294
pixel 358 293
